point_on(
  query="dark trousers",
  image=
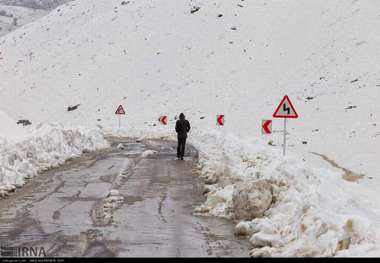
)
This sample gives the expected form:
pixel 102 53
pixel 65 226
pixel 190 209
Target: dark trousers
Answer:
pixel 181 147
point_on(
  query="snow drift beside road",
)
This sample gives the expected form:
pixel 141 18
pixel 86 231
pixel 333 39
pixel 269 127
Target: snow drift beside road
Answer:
pixel 26 151
pixel 314 212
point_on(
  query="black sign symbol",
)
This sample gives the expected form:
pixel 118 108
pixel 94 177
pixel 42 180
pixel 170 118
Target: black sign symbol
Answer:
pixel 286 108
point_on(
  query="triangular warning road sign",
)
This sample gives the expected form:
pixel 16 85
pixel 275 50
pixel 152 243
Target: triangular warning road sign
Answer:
pixel 285 109
pixel 120 110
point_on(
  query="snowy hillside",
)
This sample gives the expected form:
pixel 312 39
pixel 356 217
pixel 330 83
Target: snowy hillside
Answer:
pixel 236 58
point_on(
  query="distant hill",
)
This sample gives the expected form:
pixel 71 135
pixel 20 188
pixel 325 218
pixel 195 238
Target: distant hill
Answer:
pixel 13 17
pixel 35 4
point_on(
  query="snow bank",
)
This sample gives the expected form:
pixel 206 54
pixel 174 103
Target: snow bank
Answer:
pixel 39 148
pixel 314 212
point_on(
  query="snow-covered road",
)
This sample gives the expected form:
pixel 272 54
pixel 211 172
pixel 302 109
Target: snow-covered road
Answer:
pixel 133 199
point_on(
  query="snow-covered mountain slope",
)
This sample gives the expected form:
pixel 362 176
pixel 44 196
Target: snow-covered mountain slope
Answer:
pixel 157 57
pixel 236 58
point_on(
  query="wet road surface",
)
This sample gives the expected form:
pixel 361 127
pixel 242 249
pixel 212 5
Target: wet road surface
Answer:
pixel 69 211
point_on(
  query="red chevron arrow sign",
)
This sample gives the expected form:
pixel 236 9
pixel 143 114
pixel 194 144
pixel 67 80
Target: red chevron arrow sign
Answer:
pixel 220 120
pixel 266 127
pixel 163 120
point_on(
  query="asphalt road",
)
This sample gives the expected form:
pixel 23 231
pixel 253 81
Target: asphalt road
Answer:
pixel 67 211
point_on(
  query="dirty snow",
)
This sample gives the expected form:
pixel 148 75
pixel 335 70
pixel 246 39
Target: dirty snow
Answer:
pixel 149 153
pixel 111 202
pixel 27 151
pixel 313 211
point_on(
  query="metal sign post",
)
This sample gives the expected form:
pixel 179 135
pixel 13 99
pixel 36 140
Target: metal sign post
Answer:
pixel 284 144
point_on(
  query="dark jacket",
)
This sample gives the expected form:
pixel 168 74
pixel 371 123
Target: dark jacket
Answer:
pixel 182 127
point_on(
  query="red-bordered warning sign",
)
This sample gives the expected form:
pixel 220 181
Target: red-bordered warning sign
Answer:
pixel 120 110
pixel 163 120
pixel 285 109
pixel 220 120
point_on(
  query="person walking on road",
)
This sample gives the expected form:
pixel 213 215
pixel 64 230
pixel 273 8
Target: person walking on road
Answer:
pixel 182 127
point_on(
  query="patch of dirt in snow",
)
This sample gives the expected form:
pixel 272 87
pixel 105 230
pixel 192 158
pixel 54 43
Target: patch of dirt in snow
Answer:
pixel 348 175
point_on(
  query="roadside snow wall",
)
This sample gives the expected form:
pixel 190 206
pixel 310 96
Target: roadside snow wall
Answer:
pixel 38 148
pixel 283 205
